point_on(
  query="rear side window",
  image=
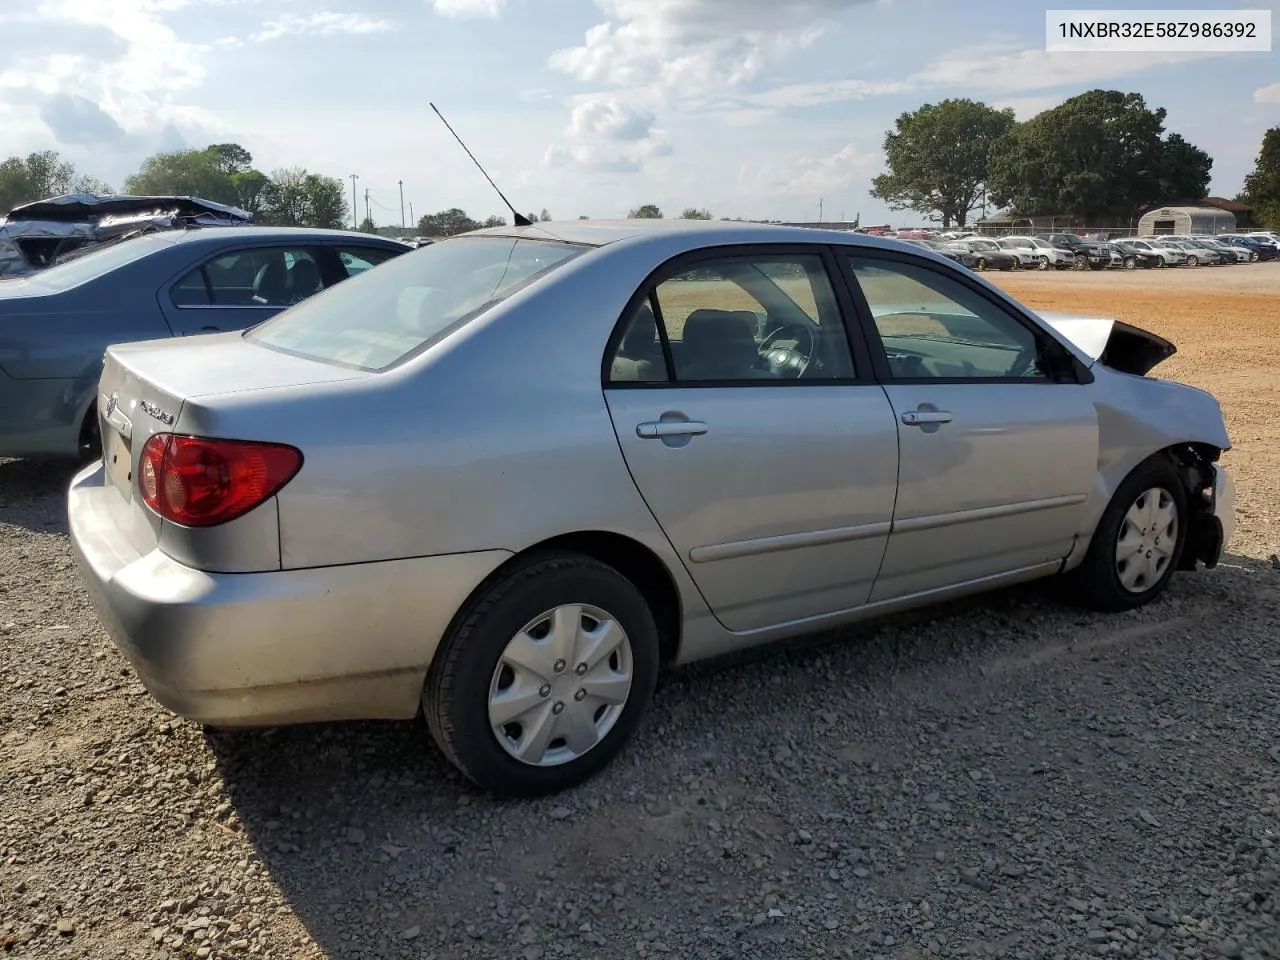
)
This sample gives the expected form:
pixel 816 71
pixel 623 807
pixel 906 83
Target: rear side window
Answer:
pixel 381 317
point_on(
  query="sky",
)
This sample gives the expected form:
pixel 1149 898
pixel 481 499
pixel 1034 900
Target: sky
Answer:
pixel 762 109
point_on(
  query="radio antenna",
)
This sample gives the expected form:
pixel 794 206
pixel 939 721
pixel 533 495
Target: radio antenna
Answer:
pixel 519 219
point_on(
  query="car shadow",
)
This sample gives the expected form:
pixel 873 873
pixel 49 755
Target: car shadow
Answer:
pixel 33 493
pixel 381 848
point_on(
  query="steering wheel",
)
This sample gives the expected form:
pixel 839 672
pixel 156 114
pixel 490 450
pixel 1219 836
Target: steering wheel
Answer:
pixel 793 360
pixel 1023 362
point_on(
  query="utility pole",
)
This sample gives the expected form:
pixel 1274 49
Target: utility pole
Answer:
pixel 402 223
pixel 355 210
pixel 367 215
pixel 819 213
pixel 415 222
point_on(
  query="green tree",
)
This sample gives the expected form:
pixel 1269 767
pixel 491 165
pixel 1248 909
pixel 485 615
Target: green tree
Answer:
pixel 693 213
pixel 937 158
pixel 39 176
pixel 368 226
pixel 230 158
pixel 648 211
pixel 184 173
pixel 446 223
pixel 1183 170
pixel 1262 186
pixel 544 216
pixel 494 222
pixel 1099 156
pixel 250 188
pixel 296 198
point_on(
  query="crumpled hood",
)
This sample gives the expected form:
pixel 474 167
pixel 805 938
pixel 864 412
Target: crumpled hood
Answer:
pixel 1112 343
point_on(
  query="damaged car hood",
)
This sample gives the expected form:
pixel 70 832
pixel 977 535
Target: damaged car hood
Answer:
pixel 1112 343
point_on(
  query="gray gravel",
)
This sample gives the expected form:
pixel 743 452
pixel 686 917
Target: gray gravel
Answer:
pixel 1004 778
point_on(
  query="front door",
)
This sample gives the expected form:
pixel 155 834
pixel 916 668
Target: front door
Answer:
pixel 767 454
pixel 997 457
pixel 240 288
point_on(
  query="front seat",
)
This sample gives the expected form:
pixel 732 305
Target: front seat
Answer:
pixel 271 284
pixel 719 345
pixel 304 280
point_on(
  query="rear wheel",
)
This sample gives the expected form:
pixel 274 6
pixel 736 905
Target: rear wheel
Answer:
pixel 980 263
pixel 1130 263
pixel 1138 541
pixel 544 676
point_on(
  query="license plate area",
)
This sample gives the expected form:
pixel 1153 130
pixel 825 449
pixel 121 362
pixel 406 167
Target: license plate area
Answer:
pixel 117 456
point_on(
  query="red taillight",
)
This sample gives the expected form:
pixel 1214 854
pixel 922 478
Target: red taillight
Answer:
pixel 199 482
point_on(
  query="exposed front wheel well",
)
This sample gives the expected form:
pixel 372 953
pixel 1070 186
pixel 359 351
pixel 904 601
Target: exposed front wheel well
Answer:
pixel 1194 465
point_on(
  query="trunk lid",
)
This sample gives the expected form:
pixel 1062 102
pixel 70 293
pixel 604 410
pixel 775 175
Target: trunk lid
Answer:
pixel 145 385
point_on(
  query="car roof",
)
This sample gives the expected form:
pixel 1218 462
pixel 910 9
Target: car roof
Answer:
pixel 269 233
pixel 698 232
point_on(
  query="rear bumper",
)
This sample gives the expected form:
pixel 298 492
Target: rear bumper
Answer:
pixel 285 646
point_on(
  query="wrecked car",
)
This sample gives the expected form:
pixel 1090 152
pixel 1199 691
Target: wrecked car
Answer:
pixel 38 235
pixel 508 478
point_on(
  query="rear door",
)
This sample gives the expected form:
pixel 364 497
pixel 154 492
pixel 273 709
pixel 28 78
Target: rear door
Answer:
pixel 241 287
pixel 997 456
pixel 755 432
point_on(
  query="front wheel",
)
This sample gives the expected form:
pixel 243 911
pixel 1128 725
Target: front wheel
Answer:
pixel 1159 261
pixel 1138 541
pixel 1044 263
pixel 1130 263
pixel 1082 263
pixel 544 676
pixel 1193 261
pixel 980 264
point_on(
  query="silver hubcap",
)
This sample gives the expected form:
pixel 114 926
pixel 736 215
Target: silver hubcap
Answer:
pixel 560 685
pixel 1147 538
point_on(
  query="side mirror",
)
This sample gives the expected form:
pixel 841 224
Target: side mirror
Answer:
pixel 1057 362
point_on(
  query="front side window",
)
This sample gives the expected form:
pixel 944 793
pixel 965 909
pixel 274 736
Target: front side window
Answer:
pixel 933 327
pixel 254 277
pixel 737 319
pixel 381 317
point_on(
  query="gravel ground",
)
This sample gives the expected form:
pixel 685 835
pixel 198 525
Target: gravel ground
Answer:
pixel 1005 777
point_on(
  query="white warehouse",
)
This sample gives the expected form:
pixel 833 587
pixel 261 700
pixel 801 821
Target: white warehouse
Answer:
pixel 1186 220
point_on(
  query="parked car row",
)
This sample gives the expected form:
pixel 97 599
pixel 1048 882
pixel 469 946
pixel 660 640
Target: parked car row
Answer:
pixel 1064 251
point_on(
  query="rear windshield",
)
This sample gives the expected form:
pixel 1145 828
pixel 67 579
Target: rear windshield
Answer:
pixel 90 266
pixel 399 308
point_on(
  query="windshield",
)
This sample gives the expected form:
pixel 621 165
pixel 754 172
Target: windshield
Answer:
pixel 90 266
pixel 385 315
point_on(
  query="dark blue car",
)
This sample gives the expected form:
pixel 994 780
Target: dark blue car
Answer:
pixel 56 324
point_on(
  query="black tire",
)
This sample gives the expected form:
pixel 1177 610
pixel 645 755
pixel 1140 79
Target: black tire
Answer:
pixel 456 695
pixel 1096 582
pixel 980 264
pixel 1193 261
pixel 1044 263
pixel 1082 263
pixel 1159 261
pixel 1130 263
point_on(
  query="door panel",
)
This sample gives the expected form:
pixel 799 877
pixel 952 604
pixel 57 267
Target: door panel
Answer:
pixel 240 288
pixel 998 443
pixel 999 486
pixel 780 510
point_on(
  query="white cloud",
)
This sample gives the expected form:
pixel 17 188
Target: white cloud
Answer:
pixel 469 9
pixel 701 45
pixel 807 176
pixel 608 118
pixel 1267 94
pixel 815 94
pixel 323 23
pixel 1013 71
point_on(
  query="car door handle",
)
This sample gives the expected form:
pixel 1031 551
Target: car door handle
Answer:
pixel 657 429
pixel 916 418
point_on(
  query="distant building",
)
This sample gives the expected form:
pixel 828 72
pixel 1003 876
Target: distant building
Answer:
pixel 1186 220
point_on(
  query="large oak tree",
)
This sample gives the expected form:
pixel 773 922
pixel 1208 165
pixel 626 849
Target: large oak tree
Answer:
pixel 937 158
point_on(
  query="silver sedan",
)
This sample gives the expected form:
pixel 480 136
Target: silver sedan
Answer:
pixel 509 477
